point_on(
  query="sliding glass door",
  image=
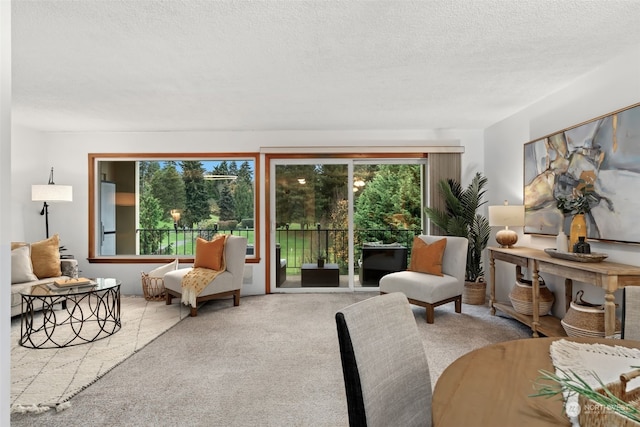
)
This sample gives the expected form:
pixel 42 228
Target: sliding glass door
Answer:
pixel 341 224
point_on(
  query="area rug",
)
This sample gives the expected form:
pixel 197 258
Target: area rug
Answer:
pixel 42 379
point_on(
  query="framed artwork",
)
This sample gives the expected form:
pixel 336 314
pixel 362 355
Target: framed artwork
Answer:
pixel 594 166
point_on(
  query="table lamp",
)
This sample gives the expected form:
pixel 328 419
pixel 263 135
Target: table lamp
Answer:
pixel 506 216
pixel 50 193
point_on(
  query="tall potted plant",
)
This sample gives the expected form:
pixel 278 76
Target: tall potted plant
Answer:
pixel 461 218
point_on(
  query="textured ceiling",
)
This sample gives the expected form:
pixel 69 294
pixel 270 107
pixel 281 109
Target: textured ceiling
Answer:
pixel 284 65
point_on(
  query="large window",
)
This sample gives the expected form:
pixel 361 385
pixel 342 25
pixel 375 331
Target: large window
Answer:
pixel 152 206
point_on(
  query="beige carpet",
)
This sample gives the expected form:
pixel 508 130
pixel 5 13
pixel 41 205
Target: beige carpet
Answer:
pixel 45 378
pixel 272 361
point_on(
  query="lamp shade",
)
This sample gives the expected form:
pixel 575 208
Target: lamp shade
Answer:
pixel 506 215
pixel 51 193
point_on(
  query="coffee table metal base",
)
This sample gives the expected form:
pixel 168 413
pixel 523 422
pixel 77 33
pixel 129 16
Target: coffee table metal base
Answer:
pixel 85 317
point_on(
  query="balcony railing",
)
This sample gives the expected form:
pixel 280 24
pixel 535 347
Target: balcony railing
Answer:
pixel 297 246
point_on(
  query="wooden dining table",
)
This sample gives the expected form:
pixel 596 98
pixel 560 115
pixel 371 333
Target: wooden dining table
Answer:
pixel 492 385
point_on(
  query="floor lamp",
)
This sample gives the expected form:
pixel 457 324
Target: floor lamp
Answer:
pixel 50 193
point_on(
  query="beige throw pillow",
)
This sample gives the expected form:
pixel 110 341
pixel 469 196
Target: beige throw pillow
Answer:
pixel 21 269
pixel 45 257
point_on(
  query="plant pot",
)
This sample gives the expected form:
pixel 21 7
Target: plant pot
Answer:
pixel 475 293
pixel 320 263
pixel 521 297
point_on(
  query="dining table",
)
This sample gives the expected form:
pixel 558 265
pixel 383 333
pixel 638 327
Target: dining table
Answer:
pixel 493 385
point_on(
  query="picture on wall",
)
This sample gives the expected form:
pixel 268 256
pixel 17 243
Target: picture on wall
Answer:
pixel 592 168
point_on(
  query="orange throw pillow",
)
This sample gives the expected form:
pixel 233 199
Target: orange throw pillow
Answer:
pixel 209 254
pixel 427 258
pixel 45 257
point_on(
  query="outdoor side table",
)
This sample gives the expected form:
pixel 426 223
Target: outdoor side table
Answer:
pixel 327 276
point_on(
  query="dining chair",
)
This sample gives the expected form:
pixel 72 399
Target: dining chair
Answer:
pixel 385 369
pixel 631 313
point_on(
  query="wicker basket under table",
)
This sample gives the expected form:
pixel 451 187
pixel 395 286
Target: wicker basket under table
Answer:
pixel 153 288
pixel 593 414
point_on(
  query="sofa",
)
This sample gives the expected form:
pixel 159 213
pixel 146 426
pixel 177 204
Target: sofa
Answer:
pixel 37 263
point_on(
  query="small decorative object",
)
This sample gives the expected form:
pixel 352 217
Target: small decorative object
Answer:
pixel 521 297
pixel 66 283
pixel 582 247
pixel 578 229
pixel 592 257
pixel 562 243
pixel 321 259
pixel 584 319
pixel 609 404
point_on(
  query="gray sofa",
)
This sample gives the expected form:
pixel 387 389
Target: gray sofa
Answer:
pixel 69 269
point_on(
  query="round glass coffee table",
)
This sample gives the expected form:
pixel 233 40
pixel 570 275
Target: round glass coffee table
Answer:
pixel 88 312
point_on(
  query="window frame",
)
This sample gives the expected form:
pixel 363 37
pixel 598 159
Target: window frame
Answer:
pixel 94 181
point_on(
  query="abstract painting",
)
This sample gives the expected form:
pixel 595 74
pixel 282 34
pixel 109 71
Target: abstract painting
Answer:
pixel 599 159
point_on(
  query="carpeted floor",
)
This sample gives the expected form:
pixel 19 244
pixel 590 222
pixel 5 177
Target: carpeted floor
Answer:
pixel 43 378
pixel 272 361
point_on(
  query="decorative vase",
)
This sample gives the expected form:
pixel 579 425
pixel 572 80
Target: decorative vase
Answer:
pixel 578 228
pixel 521 297
pixel 562 244
pixel 582 247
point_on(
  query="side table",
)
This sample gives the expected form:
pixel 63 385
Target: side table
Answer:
pixel 327 276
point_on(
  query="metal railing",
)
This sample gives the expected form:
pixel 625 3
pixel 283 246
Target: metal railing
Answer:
pixel 297 246
pixel 181 241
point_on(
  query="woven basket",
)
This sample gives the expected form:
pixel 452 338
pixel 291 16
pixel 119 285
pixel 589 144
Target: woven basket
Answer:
pixel 475 293
pixel 584 319
pixel 521 297
pixel 593 414
pixel 153 288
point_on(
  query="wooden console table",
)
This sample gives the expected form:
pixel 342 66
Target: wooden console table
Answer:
pixel 609 276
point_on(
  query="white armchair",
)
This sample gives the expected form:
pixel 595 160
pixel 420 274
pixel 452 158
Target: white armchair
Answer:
pixel 228 283
pixel 428 290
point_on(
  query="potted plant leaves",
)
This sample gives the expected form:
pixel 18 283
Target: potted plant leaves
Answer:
pixel 461 218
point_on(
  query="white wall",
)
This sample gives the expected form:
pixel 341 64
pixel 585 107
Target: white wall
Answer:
pixel 612 86
pixel 5 214
pixel 67 153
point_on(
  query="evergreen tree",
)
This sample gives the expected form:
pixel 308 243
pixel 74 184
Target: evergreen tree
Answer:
pixel 167 186
pixel 147 169
pixel 390 201
pixel 150 217
pixel 196 203
pixel 294 201
pixel 233 168
pixel 243 199
pixel 226 204
pixel 244 173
